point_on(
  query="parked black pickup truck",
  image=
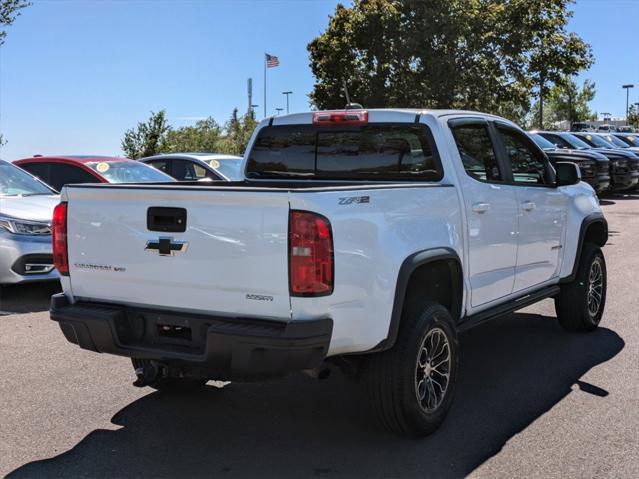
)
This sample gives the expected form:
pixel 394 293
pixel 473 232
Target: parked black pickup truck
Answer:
pixel 595 167
pixel 624 166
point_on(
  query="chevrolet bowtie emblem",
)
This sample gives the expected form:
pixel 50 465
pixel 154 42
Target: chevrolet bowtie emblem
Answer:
pixel 166 246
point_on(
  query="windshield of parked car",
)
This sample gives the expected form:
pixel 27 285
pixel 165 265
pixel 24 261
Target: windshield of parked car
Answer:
pixel 128 172
pixel 565 140
pixel 616 141
pixel 597 141
pixel 632 140
pixel 228 167
pixel 542 142
pixel 16 182
pixel 575 142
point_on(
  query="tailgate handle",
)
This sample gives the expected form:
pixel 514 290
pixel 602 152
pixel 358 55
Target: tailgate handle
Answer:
pixel 168 220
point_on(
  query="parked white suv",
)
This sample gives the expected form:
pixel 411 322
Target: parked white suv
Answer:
pixel 360 239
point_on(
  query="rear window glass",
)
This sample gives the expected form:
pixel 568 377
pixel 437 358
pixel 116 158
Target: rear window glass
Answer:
pixel 371 152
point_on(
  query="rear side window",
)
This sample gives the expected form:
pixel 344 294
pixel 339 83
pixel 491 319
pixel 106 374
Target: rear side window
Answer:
pixel 41 170
pixel 162 165
pixel 370 152
pixel 477 152
pixel 61 174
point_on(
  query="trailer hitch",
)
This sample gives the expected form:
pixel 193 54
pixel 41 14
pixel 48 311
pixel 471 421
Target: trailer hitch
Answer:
pixel 146 374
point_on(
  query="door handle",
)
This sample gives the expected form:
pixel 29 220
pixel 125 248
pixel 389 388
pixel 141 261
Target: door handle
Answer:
pixel 481 207
pixel 528 206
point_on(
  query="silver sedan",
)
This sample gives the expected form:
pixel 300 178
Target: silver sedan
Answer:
pixel 26 210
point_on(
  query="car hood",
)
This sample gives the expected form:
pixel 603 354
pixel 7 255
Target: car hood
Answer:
pixel 34 208
pixel 616 153
pixel 576 155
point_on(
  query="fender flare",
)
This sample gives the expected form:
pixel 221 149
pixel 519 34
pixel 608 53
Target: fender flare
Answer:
pixel 585 224
pixel 409 265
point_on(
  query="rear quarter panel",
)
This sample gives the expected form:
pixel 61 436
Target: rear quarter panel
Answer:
pixel 371 240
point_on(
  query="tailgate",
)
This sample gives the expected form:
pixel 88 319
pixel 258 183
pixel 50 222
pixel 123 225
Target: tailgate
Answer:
pixel 231 259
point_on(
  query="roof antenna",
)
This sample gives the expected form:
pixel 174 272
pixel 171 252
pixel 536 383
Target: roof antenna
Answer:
pixel 349 105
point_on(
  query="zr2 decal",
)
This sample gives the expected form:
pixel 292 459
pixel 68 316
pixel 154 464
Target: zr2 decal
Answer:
pixel 347 200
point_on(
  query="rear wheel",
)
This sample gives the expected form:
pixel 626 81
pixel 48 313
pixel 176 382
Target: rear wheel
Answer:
pixel 168 384
pixel 580 304
pixel 411 385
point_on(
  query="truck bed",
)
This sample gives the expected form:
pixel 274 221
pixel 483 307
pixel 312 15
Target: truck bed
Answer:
pixel 234 255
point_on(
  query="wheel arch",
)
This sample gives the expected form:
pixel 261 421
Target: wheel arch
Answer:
pixel 594 229
pixel 434 274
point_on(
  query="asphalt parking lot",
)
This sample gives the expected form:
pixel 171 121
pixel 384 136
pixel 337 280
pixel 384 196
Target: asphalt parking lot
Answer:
pixel 532 401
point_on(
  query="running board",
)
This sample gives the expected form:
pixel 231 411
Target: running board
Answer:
pixel 509 307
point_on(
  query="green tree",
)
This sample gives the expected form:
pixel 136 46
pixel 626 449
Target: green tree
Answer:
pixel 9 11
pixel 633 116
pixel 555 53
pixel 205 136
pixel 148 138
pixel 157 136
pixel 473 54
pixel 566 101
pixel 569 102
pixel 237 133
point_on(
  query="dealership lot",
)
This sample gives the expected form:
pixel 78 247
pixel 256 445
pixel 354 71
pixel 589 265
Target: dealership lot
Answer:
pixel 532 401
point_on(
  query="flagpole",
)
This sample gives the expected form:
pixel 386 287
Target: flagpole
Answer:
pixel 265 85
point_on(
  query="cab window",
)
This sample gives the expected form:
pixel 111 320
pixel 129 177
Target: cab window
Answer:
pixel 528 166
pixel 381 152
pixel 477 152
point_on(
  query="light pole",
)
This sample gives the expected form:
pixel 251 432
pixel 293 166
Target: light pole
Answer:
pixel 279 110
pixel 627 88
pixel 287 93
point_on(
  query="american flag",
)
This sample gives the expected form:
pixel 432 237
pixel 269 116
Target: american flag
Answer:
pixel 272 61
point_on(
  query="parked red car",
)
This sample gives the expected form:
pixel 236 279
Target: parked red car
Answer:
pixel 57 171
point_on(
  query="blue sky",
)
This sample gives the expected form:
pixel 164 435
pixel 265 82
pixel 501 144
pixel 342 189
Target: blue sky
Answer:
pixel 74 75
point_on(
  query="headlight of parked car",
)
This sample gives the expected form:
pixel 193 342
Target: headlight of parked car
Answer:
pixel 24 227
pixel 620 162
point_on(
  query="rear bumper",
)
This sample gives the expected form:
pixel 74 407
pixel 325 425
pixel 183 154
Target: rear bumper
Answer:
pixel 197 345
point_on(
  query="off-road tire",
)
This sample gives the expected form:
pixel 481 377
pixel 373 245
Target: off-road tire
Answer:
pixel 574 305
pixel 392 376
pixel 171 384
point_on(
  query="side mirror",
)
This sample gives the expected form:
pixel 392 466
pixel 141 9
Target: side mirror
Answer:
pixel 567 173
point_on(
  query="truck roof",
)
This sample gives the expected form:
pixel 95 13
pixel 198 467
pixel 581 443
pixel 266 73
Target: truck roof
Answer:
pixel 378 114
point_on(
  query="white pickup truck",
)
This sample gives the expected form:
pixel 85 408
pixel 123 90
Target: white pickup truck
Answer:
pixel 360 239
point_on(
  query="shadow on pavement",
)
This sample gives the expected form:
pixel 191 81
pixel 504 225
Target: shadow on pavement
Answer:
pixel 28 297
pixel 620 196
pixel 513 370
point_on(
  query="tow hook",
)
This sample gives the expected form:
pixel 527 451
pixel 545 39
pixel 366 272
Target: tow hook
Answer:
pixel 146 375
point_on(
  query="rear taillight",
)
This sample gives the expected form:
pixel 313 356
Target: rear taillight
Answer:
pixel 347 117
pixel 310 253
pixel 59 227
